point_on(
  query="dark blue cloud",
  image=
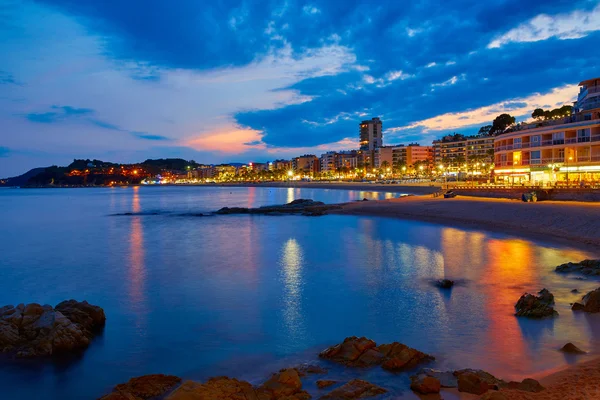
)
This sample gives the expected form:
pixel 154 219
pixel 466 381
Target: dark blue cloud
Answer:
pixel 61 113
pixel 148 136
pixel 7 79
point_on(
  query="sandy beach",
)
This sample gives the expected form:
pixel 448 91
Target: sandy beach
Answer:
pixel 576 223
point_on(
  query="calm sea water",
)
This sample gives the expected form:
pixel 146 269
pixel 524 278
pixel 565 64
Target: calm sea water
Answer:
pixel 246 295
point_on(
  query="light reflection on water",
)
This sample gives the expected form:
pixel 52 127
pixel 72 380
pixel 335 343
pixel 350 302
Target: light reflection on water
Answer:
pixel 245 295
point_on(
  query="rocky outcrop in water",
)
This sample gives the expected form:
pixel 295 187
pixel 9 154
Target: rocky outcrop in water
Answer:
pixel 34 330
pixel 424 384
pixel 589 303
pixel 533 306
pixel 355 389
pixel 143 387
pixel 324 383
pixel 585 267
pixel 571 349
pixel 444 283
pixel 363 352
pixel 301 206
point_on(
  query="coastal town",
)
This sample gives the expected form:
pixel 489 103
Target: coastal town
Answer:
pixel 559 148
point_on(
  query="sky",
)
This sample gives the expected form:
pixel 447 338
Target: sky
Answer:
pixel 252 80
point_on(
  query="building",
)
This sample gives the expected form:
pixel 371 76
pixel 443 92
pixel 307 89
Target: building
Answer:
pixel 371 134
pixel 308 164
pixel 347 160
pixel 415 153
pixel 399 155
pixel 555 152
pixel 328 161
pixel 381 155
pixel 455 151
pixel 281 165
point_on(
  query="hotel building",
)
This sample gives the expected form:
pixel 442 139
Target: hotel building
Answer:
pixel 455 150
pixel 556 151
pixel 371 135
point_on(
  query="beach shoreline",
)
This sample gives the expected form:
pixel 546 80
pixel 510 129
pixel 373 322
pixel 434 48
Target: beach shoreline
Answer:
pixel 570 223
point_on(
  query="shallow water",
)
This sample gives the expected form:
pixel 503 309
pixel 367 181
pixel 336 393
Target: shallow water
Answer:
pixel 246 295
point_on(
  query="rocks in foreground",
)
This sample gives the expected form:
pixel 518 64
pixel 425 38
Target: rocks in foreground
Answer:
pixel 424 384
pixel 355 389
pixel 571 349
pixel 34 330
pixel 589 303
pixel 363 352
pixel 585 267
pixel 143 387
pixel 533 306
pixel 301 206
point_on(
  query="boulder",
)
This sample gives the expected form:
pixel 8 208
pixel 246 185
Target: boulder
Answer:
pixel 398 356
pixel 425 384
pixel 590 302
pixel 571 349
pixel 355 389
pixel 323 383
pixel 533 306
pixel 585 267
pixel 283 384
pixel 447 378
pixel 306 369
pixel 215 388
pixel 470 382
pixel 574 291
pixel 34 330
pixel 444 283
pixel 526 385
pixel 363 352
pixel 143 387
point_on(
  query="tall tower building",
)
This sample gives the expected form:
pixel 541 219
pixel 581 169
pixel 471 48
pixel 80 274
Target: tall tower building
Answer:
pixel 371 134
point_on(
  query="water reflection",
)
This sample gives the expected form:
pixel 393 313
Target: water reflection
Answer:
pixel 137 270
pixel 291 263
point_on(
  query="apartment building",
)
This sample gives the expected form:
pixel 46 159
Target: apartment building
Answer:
pixel 556 151
pixel 456 150
pixel 371 134
pixel 307 163
pixel 381 155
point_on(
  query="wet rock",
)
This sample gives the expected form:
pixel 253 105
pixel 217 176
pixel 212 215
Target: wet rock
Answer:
pixel 324 383
pixel 470 382
pixel 533 306
pixel 399 356
pixel 354 352
pixel 314 213
pixel 425 384
pixel 34 330
pixel 283 384
pixel 585 267
pixel 590 302
pixel 305 369
pixel 300 206
pixel 355 389
pixel 571 349
pixel 215 388
pixel 363 352
pixel 444 283
pixel 233 210
pixel 574 291
pixel 447 378
pixel 526 385
pixel 143 387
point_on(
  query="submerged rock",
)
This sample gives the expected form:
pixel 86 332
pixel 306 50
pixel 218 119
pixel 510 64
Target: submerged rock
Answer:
pixel 143 387
pixel 355 389
pixel 363 352
pixel 572 349
pixel 215 388
pixel 324 383
pixel 585 267
pixel 447 378
pixel 425 384
pixel 305 369
pixel 532 306
pixel 284 384
pixel 300 206
pixel 34 330
pixel 444 283
pixel 590 302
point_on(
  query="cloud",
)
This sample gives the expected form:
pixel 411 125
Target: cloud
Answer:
pixel 62 113
pixel 485 115
pixel 573 25
pixel 310 10
pixel 449 82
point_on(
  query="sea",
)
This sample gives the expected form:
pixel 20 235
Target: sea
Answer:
pixel 199 295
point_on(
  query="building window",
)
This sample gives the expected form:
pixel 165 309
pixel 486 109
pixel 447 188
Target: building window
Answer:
pixel 535 157
pixel 583 135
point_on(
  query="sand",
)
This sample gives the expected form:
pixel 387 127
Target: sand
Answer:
pixel 575 223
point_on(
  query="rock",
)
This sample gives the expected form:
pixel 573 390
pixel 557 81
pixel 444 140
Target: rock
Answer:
pixel 585 267
pixel 399 356
pixel 572 349
pixel 355 389
pixel 444 283
pixel 472 383
pixel 363 352
pixel 33 330
pixel 354 352
pixel 282 385
pixel 425 384
pixel 323 383
pixel 574 291
pixel 215 388
pixel 533 306
pixel 591 302
pixel 447 378
pixel 300 206
pixel 305 369
pixel 143 387
pixel 527 385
